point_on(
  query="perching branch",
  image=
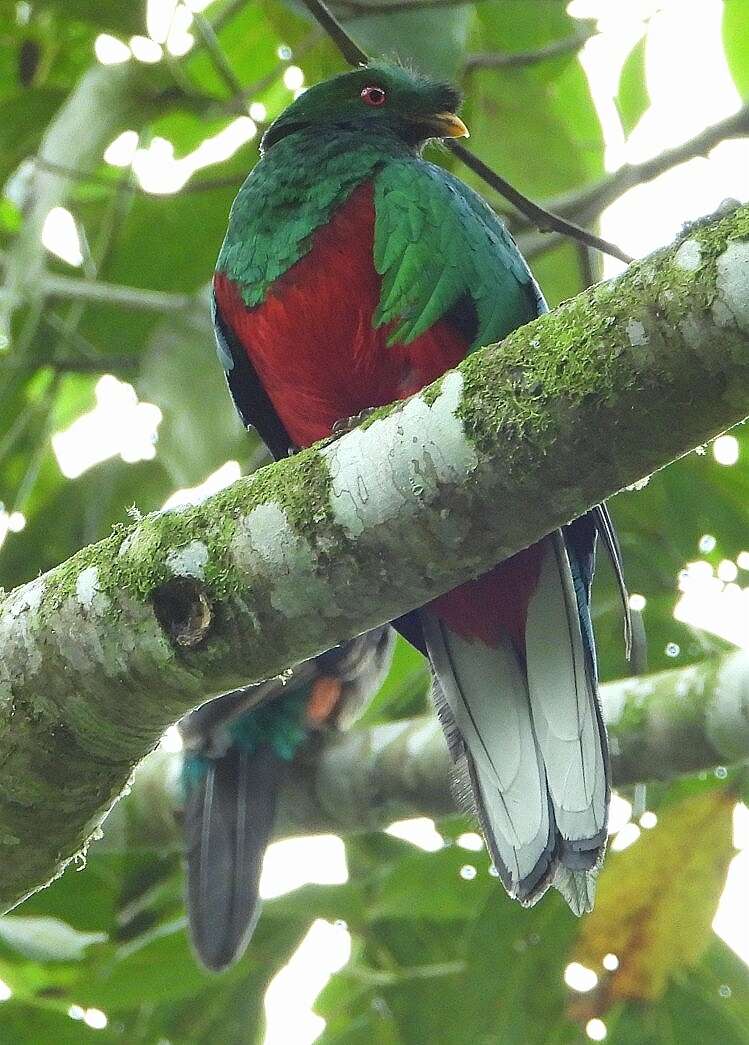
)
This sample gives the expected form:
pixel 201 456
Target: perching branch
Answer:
pixel 660 727
pixel 102 653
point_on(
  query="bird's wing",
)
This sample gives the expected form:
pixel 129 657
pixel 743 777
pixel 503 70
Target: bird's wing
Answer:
pixel 436 243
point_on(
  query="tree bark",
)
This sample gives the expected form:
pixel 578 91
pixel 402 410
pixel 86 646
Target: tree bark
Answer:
pixel 102 653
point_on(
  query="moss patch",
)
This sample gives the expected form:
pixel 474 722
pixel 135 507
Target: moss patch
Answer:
pixel 133 560
pixel 526 386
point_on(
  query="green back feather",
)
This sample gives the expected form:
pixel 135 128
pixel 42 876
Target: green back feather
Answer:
pixel 290 193
pixel 435 241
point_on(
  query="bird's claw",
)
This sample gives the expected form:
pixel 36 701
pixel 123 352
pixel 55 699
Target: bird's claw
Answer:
pixel 348 424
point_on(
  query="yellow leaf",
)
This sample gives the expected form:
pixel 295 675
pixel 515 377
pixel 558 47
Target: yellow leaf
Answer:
pixel 656 900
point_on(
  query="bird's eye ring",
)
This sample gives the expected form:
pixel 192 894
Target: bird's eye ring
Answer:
pixel 374 96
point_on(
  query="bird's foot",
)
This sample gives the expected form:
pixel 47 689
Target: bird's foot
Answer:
pixel 348 424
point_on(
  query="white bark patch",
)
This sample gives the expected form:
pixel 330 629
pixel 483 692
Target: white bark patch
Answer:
pixel 26 598
pixel 727 718
pixel 289 562
pixel 405 456
pixel 731 305
pixel 636 333
pixel 688 256
pixel 188 561
pixel 421 739
pixel 88 591
pixel 615 700
pixel 16 626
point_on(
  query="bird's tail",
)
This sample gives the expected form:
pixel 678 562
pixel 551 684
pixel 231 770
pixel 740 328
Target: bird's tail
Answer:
pixel 236 751
pixel 520 710
pixel 228 814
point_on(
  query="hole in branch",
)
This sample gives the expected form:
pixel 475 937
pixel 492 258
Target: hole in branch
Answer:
pixel 183 610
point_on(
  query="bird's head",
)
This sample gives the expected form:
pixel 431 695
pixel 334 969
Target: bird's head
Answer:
pixel 374 99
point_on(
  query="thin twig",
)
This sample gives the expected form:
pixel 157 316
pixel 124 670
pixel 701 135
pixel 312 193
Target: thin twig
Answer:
pixel 368 7
pixel 543 219
pixel 350 50
pixel 240 101
pixel 519 59
pixel 538 216
pixel 226 14
pixel 587 203
pixel 209 39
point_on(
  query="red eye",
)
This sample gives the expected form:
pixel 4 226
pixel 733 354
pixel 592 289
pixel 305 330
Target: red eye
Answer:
pixel 374 96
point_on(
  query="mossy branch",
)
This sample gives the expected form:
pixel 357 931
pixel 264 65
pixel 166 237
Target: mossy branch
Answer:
pixel 662 726
pixel 99 655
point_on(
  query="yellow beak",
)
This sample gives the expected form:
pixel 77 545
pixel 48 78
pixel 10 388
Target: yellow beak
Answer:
pixel 449 125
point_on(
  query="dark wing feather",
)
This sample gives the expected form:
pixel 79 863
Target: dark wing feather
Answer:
pixel 607 533
pixel 228 816
pixel 250 398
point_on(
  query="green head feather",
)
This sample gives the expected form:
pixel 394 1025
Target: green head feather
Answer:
pixel 375 99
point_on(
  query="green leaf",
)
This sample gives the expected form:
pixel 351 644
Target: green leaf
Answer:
pixel 536 125
pixel 632 98
pixel 25 1024
pixel 736 42
pixel 45 939
pixel 108 15
pixel 23 118
pixel 429 887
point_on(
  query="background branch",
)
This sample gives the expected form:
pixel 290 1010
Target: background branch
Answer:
pixel 587 204
pixel 91 117
pixel 660 727
pixel 520 59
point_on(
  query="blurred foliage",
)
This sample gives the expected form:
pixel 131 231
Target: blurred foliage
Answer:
pixel 437 956
pixel 632 98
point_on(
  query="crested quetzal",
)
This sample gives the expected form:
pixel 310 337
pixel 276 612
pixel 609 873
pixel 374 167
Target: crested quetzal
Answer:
pixel 236 752
pixel 353 273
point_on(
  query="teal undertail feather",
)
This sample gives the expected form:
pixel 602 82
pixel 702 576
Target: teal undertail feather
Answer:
pixel 235 760
pixel 279 724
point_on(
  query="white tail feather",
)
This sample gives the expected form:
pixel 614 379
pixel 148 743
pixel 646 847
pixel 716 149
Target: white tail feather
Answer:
pixel 533 738
pixel 486 693
pixel 563 703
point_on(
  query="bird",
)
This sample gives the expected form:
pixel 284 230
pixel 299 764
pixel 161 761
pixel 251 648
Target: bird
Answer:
pixel 236 750
pixel 354 272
